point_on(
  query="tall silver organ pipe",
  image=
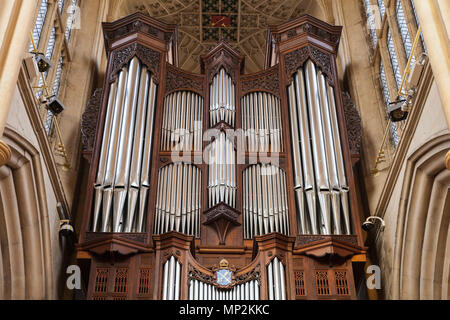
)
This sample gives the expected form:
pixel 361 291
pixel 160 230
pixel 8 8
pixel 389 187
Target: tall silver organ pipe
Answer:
pixel 318 162
pixel 182 122
pixel 178 199
pixel 122 182
pixel 222 99
pixel 171 279
pixel 265 204
pixel 276 280
pixel 199 290
pixel 222 172
pixel 261 122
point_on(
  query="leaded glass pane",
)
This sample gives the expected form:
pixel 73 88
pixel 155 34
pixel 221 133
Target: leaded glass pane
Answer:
pixel 61 4
pixel 394 60
pixel 384 87
pixel 418 24
pixel 57 83
pixel 48 122
pixel 382 7
pixel 51 44
pixel 401 20
pixel 40 20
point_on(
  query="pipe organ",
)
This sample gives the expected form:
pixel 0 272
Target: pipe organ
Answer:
pixel 182 122
pixel 222 105
pixel 123 176
pixel 178 199
pixel 261 122
pixel 317 155
pixel 222 172
pixel 249 193
pixel 265 207
pixel 172 276
pixel 202 291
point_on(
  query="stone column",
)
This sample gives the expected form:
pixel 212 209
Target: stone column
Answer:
pixel 16 22
pixel 432 16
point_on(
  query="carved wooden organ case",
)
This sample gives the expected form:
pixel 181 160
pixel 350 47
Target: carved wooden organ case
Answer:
pixel 221 185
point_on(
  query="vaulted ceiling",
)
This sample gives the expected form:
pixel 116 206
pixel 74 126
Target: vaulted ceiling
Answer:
pixel 242 23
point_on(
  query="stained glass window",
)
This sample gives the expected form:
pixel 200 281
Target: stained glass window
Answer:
pixel 40 20
pixel 394 60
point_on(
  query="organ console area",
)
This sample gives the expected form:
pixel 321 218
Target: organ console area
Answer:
pixel 221 185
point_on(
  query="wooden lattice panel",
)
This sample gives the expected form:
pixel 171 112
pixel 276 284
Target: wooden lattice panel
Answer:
pixel 322 283
pixel 341 283
pixel 300 290
pixel 101 280
pixel 144 281
pixel 121 280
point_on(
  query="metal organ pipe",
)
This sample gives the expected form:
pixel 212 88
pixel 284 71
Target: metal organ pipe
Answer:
pixel 199 290
pixel 222 99
pixel 261 122
pixel 182 122
pixel 318 162
pixel 171 279
pixel 265 205
pixel 178 199
pixel 276 280
pixel 125 152
pixel 222 177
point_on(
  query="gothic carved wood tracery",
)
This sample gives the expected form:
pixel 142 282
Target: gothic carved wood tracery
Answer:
pixel 353 123
pixel 89 120
pixel 149 57
pixel 177 79
pixel 295 59
pixel 267 80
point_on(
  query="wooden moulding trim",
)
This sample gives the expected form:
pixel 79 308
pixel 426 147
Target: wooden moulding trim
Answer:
pixel 114 244
pixel 330 245
pixel 222 250
pixel 172 239
pixel 26 92
pixel 305 26
pixel 138 23
pixel 274 240
pixel 405 141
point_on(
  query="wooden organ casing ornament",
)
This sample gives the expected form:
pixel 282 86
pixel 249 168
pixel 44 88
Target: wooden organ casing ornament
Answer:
pixel 243 176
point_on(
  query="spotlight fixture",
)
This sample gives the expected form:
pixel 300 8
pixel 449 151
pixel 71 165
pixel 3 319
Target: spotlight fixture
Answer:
pixel 42 62
pixel 397 111
pixel 369 224
pixel 55 106
pixel 66 229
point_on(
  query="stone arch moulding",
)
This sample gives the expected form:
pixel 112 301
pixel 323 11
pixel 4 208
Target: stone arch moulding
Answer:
pixel 26 258
pixel 422 248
